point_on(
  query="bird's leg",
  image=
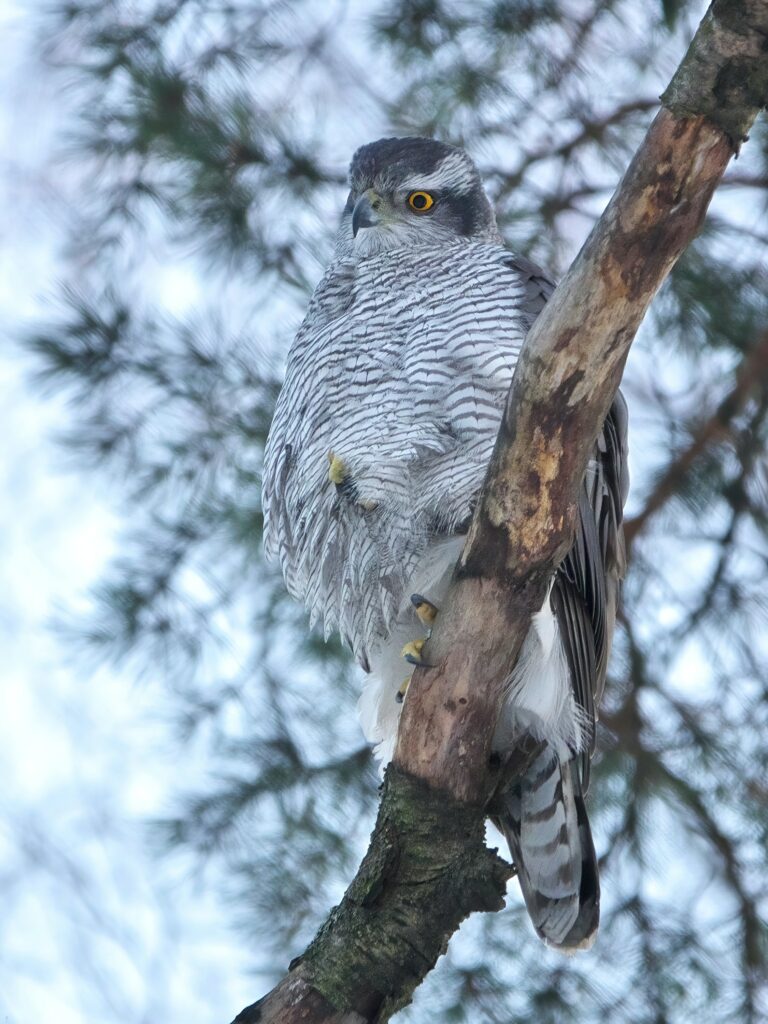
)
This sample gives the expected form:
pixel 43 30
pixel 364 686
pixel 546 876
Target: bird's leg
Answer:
pixel 412 652
pixel 339 474
pixel 425 610
pixel 337 470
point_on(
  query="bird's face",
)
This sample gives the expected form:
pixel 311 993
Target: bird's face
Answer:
pixel 412 192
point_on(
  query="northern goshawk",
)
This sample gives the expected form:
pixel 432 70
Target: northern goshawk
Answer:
pixel 382 434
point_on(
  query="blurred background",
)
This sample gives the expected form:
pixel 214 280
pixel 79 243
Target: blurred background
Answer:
pixel 187 790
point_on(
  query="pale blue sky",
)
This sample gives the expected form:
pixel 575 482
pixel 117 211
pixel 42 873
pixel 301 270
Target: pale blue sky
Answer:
pixel 93 926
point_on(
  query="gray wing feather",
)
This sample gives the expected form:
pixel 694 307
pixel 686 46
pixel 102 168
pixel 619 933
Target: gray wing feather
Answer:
pixel 586 589
pixel 587 585
pixel 538 287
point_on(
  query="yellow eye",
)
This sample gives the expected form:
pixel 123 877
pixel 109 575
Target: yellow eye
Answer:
pixel 420 201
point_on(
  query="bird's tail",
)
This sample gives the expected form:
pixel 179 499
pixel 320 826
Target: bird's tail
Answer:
pixel 545 823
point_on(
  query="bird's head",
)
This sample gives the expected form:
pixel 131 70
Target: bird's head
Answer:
pixel 413 192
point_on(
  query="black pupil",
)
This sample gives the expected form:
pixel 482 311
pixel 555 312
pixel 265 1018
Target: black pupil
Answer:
pixel 419 201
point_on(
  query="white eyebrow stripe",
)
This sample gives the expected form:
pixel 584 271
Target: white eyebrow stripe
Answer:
pixel 452 173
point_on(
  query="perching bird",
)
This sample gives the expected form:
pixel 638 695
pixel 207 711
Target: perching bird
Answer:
pixel 382 433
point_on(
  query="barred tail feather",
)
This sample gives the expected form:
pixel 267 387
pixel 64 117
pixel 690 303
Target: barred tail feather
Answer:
pixel 545 822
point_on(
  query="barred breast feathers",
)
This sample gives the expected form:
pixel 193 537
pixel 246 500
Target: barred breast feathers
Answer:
pixel 401 369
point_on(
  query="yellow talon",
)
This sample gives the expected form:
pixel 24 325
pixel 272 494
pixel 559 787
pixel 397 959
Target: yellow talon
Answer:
pixel 412 652
pixel 400 695
pixel 425 610
pixel 337 472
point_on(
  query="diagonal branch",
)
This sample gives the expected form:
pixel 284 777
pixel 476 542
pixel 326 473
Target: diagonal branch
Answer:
pixel 590 130
pixel 751 375
pixel 427 866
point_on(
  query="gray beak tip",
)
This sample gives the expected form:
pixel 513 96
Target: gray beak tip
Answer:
pixel 363 215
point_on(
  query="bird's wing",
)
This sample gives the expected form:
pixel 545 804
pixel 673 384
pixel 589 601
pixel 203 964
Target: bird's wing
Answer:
pixel 586 588
pixel 585 593
pixel 538 287
pixel 330 299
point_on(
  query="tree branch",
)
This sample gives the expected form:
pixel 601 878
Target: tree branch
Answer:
pixel 427 866
pixel 751 375
pixel 590 130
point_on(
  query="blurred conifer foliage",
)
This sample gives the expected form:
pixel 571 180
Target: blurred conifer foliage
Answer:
pixel 205 156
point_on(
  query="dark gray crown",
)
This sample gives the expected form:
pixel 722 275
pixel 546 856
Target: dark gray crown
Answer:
pixel 400 158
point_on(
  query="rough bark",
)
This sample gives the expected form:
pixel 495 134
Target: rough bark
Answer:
pixel 427 866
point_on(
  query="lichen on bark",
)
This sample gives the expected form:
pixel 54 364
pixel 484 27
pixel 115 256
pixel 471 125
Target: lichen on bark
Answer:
pixel 427 869
pixel 724 74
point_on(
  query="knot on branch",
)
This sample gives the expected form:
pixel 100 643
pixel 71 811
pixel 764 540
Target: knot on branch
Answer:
pixel 427 868
pixel 724 75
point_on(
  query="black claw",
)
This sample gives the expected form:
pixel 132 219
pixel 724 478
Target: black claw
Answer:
pixel 415 661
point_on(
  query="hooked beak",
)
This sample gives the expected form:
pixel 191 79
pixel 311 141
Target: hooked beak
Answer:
pixel 364 214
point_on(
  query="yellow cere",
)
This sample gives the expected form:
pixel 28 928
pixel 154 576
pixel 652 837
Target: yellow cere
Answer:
pixel 420 201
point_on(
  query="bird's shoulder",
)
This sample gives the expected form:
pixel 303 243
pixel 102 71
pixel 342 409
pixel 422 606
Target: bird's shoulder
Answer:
pixel 332 297
pixel 537 284
pixel 419 262
pixel 397 287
